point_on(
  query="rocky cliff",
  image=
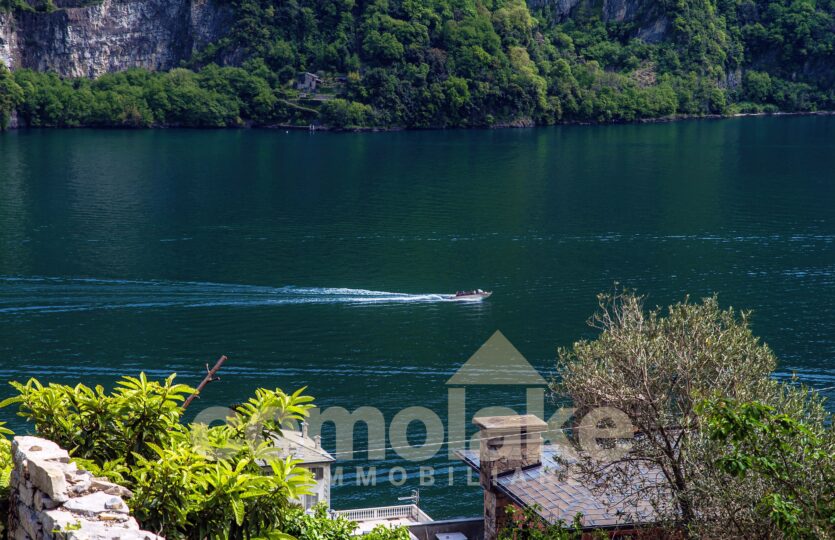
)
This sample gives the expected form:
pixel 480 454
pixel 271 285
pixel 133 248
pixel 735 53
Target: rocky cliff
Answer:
pixel 651 25
pixel 88 40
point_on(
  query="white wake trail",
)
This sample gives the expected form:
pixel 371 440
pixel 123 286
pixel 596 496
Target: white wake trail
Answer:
pixel 51 295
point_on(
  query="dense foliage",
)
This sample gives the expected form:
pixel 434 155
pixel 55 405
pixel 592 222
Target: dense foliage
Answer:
pixel 11 95
pixel 189 482
pixel 6 466
pixel 193 481
pixel 795 456
pixel 319 526
pixel 724 470
pixel 443 63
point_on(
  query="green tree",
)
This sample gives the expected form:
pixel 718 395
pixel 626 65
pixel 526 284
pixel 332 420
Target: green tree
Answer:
pixel 655 366
pixel 341 113
pixel 757 86
pixel 793 456
pixel 11 95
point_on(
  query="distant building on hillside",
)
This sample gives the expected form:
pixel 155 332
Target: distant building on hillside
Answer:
pixel 306 81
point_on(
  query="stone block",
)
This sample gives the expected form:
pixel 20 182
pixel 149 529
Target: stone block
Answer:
pixel 95 504
pixel 104 533
pixel 48 476
pixel 113 517
pixel 28 520
pixel 25 447
pixel 71 469
pixel 101 484
pixel 43 502
pixel 25 494
pixel 81 482
pixel 97 530
pixel 20 534
pixel 58 520
pixel 141 535
pixel 21 467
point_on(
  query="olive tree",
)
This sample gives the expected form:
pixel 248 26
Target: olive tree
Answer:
pixel 656 366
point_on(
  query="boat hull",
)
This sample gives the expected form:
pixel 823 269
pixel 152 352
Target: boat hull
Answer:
pixel 477 297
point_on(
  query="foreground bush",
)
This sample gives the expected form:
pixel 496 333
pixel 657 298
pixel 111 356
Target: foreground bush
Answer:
pixel 189 481
pixel 319 526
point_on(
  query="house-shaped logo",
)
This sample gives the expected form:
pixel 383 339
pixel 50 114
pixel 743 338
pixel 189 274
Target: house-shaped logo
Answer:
pixel 496 363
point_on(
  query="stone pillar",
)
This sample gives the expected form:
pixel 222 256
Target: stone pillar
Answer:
pixel 506 444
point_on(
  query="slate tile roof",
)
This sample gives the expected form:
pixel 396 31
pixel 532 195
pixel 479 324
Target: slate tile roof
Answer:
pixel 297 446
pixel 561 493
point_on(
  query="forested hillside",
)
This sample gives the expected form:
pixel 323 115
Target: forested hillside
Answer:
pixel 460 63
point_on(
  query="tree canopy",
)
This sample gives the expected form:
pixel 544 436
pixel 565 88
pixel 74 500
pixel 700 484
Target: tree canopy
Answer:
pixel 447 63
pixel 675 374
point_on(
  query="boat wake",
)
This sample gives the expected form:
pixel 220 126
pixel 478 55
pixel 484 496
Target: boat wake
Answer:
pixel 50 295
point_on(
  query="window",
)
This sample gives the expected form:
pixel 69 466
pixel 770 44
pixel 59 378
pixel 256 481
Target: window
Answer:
pixel 310 501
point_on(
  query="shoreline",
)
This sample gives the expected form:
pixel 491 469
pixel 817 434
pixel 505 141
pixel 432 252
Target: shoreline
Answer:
pixel 517 124
pixel 529 124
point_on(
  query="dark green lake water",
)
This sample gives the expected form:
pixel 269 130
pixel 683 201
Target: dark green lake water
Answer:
pixel 312 259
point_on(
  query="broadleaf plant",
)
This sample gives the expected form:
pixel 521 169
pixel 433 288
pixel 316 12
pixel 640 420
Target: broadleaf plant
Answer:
pixel 189 482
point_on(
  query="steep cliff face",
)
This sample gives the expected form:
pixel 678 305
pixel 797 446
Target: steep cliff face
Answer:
pixel 652 26
pixel 113 35
pixel 9 49
pixel 86 40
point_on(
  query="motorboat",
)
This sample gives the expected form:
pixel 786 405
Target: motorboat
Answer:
pixel 472 296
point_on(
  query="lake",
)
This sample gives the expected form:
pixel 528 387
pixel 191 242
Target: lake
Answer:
pixel 315 259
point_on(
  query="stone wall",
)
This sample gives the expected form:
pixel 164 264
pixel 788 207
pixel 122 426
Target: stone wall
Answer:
pixel 52 498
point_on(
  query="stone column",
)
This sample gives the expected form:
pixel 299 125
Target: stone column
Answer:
pixel 507 444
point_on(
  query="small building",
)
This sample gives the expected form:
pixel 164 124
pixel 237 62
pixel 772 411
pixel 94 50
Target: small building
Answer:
pixel 517 470
pixel 306 81
pixel 299 446
pixel 308 451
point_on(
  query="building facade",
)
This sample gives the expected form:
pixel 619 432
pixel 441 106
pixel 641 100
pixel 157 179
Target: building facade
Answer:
pixel 308 451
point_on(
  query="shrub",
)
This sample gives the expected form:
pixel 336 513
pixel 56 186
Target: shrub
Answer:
pixel 189 481
pixel 341 113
